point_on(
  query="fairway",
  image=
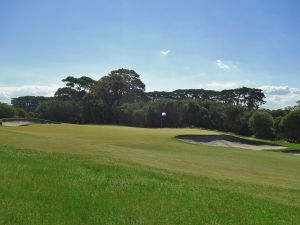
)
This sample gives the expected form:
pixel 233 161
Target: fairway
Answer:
pixel 88 174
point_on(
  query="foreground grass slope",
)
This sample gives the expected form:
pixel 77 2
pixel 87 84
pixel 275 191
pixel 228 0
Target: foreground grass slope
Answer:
pixel 68 174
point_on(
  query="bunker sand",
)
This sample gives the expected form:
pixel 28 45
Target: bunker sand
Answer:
pixel 25 122
pixel 228 141
pixel 17 123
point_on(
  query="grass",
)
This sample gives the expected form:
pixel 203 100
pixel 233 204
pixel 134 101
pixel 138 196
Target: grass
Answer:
pixel 71 174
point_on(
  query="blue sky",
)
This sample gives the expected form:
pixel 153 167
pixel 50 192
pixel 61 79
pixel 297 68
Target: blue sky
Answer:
pixel 172 44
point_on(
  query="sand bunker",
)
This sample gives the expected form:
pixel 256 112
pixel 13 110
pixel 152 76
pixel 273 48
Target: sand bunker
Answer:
pixel 228 141
pixel 17 123
pixel 24 122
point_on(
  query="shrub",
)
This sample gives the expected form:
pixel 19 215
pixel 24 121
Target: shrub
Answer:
pixel 290 126
pixel 261 124
pixel 6 111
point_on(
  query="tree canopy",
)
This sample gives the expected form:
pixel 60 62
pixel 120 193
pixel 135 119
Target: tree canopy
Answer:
pixel 249 97
pixel 120 86
pixel 28 103
pixel 80 84
pixel 75 89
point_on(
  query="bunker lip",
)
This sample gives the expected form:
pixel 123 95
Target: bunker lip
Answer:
pixel 228 141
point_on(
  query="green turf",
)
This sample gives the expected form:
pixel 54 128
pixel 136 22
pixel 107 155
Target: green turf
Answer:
pixel 71 174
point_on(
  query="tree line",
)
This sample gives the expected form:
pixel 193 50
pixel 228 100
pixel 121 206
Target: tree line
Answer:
pixel 120 98
pixel 252 98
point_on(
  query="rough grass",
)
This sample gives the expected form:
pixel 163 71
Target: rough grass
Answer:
pixel 68 174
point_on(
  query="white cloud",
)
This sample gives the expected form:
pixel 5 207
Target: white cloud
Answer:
pixel 226 65
pixel 222 85
pixel 6 93
pixel 275 90
pixel 165 52
pixel 280 96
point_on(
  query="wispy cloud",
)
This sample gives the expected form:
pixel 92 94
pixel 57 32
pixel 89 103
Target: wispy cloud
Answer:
pixel 226 65
pixel 6 93
pixel 222 65
pixel 165 52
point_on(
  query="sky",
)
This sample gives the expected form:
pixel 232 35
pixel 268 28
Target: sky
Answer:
pixel 172 44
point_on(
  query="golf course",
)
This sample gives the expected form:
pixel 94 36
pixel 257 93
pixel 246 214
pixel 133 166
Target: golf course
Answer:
pixel 133 112
pixel 98 174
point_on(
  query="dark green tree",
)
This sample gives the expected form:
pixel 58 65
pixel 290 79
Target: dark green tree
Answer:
pixel 254 98
pixel 133 114
pixel 60 111
pixel 194 114
pixel 234 118
pixel 120 86
pixel 173 109
pixel 6 111
pixel 28 103
pixel 290 126
pixel 68 93
pixel 80 84
pixel 75 88
pixel 261 123
pixel 95 110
